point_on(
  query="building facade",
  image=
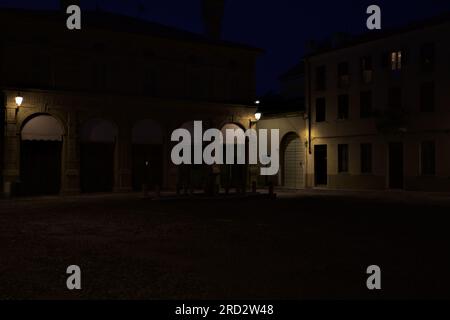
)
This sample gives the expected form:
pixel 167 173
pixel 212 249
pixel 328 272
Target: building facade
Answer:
pixel 100 104
pixel 286 112
pixel 376 112
pixel 379 111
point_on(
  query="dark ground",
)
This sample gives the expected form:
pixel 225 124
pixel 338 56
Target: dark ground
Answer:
pixel 310 245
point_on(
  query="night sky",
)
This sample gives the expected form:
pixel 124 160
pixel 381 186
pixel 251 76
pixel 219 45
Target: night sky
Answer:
pixel 281 27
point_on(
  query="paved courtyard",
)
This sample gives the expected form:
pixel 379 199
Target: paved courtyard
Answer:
pixel 303 245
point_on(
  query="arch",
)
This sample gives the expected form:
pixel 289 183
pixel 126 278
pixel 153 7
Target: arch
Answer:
pixel 233 175
pixel 99 131
pixel 147 154
pixel 97 155
pixel 236 123
pixel 292 161
pixel 189 126
pixel 191 176
pixel 230 126
pixel 41 155
pixel 147 131
pixel 42 127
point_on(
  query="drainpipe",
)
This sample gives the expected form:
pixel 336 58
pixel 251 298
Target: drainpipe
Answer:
pixel 2 138
pixel 308 76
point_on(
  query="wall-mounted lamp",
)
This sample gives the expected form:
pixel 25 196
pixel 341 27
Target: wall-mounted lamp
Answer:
pixel 258 116
pixel 19 100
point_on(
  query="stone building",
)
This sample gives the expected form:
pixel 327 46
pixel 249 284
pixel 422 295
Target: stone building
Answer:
pixel 375 112
pixel 286 112
pixel 100 104
pixel 380 110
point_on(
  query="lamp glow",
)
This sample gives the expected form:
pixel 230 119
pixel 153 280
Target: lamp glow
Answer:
pixel 258 116
pixel 19 100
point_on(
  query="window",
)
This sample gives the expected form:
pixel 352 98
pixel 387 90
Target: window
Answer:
pixel 343 158
pixel 320 110
pixel 366 69
pixel 427 97
pixel 427 52
pixel 365 104
pixel 343 75
pixel 395 98
pixel 343 106
pixel 321 78
pixel 366 158
pixel 396 60
pixel 428 158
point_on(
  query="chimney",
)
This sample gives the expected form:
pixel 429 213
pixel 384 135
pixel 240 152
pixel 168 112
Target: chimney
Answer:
pixel 213 11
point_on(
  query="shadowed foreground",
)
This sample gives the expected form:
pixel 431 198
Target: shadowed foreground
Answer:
pixel 299 247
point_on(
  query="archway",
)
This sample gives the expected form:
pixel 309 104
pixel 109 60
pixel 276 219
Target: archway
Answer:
pixel 233 175
pixel 98 139
pixel 40 156
pixel 292 161
pixel 147 140
pixel 192 176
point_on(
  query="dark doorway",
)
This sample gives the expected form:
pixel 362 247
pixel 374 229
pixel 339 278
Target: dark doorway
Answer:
pixel 147 166
pixel 40 168
pixel 232 175
pixel 97 167
pixel 320 165
pixel 396 165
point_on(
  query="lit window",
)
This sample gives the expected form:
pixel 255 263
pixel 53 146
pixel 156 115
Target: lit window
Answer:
pixel 396 60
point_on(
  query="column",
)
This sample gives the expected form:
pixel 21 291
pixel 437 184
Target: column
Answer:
pixel 70 169
pixel 11 160
pixel 122 163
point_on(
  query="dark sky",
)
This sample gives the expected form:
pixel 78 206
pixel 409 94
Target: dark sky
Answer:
pixel 281 27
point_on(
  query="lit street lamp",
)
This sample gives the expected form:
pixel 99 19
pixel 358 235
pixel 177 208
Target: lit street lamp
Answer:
pixel 19 100
pixel 258 114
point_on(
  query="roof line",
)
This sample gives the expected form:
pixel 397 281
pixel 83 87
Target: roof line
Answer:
pixel 378 35
pixel 94 18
